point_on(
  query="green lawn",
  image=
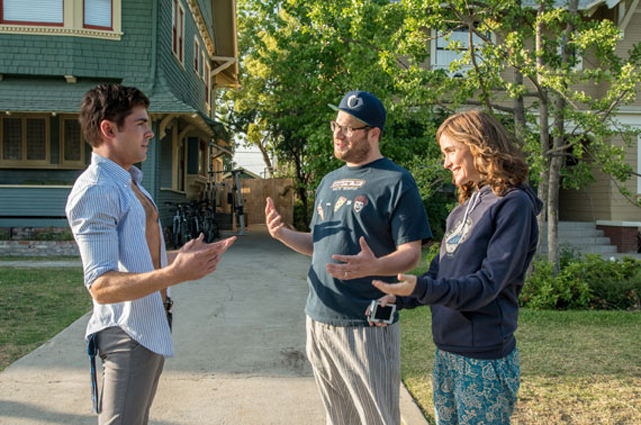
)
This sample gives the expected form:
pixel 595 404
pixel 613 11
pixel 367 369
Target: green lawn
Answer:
pixel 36 304
pixel 34 258
pixel 577 367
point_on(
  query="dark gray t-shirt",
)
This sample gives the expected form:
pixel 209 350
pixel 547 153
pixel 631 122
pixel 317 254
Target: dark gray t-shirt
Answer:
pixel 379 201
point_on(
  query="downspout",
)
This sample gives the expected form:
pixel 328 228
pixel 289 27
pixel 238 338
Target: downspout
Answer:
pixel 155 189
pixel 154 37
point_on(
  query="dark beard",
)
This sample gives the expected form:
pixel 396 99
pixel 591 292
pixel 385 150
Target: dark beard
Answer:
pixel 357 153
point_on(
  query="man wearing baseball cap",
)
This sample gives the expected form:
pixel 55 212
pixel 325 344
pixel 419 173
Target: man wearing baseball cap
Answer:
pixel 369 223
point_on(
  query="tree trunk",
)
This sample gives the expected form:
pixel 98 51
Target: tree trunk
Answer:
pixel 519 110
pixel 301 187
pixel 266 159
pixel 545 134
pixel 556 162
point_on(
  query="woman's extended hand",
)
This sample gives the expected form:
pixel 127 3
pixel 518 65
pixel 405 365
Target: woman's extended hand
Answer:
pixel 404 288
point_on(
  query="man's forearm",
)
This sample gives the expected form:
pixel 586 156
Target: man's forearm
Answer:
pixel 404 259
pixel 298 241
pixel 114 287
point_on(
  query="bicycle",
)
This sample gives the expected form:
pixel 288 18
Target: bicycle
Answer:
pixel 180 229
pixel 208 222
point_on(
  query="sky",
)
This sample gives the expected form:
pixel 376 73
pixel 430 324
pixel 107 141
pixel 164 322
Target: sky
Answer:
pixel 251 159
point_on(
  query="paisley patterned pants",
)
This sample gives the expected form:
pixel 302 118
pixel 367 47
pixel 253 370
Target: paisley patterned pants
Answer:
pixel 473 391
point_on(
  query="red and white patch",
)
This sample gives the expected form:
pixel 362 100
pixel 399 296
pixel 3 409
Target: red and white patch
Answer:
pixel 359 203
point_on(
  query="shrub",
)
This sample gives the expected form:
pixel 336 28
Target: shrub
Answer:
pixel 545 291
pixel 52 234
pixel 584 282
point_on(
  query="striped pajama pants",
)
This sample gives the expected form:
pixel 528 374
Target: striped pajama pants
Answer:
pixel 357 371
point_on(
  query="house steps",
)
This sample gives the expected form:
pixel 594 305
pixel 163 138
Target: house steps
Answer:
pixel 583 237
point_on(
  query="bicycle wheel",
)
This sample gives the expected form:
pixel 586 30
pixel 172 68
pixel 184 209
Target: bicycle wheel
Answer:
pixel 210 229
pixel 175 234
pixel 185 235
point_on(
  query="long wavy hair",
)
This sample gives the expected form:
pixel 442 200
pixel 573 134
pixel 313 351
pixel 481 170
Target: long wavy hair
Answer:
pixel 497 157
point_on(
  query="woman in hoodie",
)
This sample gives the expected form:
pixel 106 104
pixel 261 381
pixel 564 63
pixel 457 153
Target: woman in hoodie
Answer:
pixel 473 285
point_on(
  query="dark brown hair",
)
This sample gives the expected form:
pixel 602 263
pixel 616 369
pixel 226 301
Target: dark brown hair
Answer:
pixel 112 102
pixel 497 157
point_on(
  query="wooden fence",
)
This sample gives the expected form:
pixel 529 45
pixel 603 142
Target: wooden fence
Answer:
pixel 255 191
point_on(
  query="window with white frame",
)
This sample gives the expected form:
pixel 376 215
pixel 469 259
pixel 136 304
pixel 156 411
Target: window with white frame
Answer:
pixel 178 29
pixel 207 83
pixel 442 57
pixel 78 18
pixel 37 12
pixel 197 63
pixel 24 141
pixel 203 61
pixel 98 14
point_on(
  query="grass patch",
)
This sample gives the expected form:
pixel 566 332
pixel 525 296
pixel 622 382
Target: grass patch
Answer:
pixel 36 304
pixel 577 367
pixel 34 258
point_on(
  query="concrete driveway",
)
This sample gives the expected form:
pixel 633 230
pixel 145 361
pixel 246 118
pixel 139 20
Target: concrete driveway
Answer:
pixel 240 353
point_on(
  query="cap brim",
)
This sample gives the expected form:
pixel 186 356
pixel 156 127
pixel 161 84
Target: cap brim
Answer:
pixel 336 108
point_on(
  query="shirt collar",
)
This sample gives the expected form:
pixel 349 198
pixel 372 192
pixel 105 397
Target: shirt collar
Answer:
pixel 116 171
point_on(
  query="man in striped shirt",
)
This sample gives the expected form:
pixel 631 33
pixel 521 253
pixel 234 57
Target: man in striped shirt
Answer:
pixel 126 268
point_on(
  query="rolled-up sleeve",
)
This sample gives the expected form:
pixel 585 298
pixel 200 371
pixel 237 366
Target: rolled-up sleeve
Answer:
pixel 93 214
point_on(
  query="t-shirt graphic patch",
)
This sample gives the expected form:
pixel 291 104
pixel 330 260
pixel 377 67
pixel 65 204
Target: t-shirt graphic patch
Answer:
pixel 457 236
pixel 359 203
pixel 339 203
pixel 321 213
pixel 348 184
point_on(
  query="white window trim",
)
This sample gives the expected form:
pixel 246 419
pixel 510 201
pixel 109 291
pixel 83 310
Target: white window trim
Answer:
pixel 203 61
pixel 197 61
pixel 433 53
pixel 208 85
pixel 179 52
pixel 73 25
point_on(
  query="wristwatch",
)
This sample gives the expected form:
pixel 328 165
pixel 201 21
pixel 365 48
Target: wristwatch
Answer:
pixel 168 303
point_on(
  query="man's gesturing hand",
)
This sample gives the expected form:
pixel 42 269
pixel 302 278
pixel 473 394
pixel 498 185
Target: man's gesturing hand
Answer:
pixel 273 219
pixel 404 287
pixel 197 259
pixel 354 266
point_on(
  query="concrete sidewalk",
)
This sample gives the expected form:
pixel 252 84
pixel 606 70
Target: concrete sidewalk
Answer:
pixel 240 353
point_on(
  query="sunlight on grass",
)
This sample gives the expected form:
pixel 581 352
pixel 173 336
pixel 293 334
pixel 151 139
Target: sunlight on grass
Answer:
pixel 36 304
pixel 577 367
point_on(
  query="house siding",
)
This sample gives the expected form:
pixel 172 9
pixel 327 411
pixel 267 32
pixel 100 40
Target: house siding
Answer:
pixel 128 60
pixel 180 78
pixel 602 199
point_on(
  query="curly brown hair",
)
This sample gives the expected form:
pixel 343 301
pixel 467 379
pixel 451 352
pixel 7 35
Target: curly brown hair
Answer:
pixel 497 157
pixel 112 102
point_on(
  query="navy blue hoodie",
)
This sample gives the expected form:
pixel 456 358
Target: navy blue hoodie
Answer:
pixel 474 283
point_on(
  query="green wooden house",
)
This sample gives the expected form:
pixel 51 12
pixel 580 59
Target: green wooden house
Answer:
pixel 178 52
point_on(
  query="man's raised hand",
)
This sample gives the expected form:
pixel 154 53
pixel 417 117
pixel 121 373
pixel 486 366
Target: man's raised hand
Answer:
pixel 354 266
pixel 273 219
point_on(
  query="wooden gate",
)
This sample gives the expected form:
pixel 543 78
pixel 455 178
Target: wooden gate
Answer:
pixel 255 191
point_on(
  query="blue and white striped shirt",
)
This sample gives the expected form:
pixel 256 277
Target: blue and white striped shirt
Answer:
pixel 108 223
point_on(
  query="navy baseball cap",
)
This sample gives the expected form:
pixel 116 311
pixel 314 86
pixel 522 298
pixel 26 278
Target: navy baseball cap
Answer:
pixel 363 106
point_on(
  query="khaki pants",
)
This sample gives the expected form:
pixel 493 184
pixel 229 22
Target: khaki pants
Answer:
pixel 130 375
pixel 357 371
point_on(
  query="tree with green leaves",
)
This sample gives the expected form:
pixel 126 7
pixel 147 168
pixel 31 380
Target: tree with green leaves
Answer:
pixel 521 65
pixel 520 62
pixel 298 57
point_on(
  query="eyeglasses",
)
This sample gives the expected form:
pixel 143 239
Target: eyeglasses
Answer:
pixel 347 131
